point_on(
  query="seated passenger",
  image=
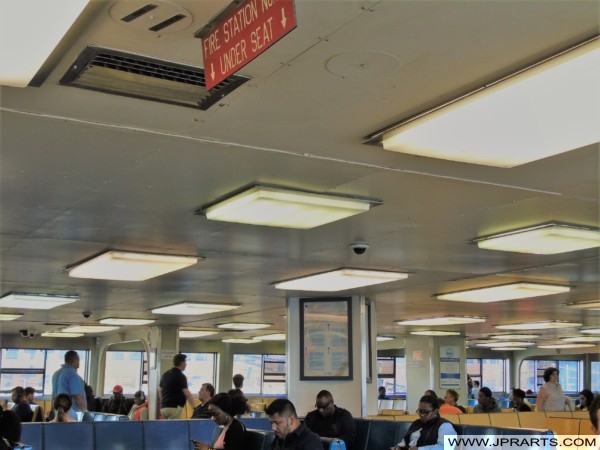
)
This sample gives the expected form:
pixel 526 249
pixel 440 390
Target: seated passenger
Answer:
pixel 233 435
pixel 451 398
pixel 429 430
pixel 486 403
pixel 10 429
pixel 518 398
pixel 38 411
pixel 117 404
pixel 94 403
pixel 62 404
pixel 586 397
pixel 21 408
pixel 382 395
pixel 290 433
pixel 594 411
pixel 139 410
pixel 206 393
pixel 330 421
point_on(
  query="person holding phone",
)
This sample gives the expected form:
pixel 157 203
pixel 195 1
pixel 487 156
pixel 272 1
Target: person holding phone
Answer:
pixel 223 409
pixel 427 432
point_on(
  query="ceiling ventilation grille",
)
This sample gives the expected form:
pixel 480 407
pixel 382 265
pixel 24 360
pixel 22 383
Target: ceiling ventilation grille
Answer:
pixel 131 75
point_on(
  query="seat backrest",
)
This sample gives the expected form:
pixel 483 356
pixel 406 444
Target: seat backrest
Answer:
pixel 475 419
pixel 73 435
pixel 362 433
pixel 407 417
pixel 165 434
pixel 382 434
pixel 505 420
pixel 259 439
pixel 33 434
pixel 532 419
pixel 202 430
pixel 259 423
pixel 564 414
pixel 563 426
pixel 125 434
pixel 581 415
pixel 451 417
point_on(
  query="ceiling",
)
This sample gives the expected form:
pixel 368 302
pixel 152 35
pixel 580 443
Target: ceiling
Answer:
pixel 83 171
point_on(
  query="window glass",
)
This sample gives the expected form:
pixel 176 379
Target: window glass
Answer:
pixel 391 373
pixel 491 373
pixel 595 376
pixel 263 374
pixel 528 376
pixel 125 369
pixel 201 368
pixel 531 374
pixel 400 380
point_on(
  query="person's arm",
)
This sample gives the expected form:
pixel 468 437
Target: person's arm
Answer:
pixel 80 401
pixel 189 397
pixel 347 429
pixel 446 430
pixel 159 397
pixel 541 399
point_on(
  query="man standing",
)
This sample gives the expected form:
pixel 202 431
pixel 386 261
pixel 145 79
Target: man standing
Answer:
pixel 207 391
pixel 331 422
pixel 289 432
pixel 66 381
pixel 173 389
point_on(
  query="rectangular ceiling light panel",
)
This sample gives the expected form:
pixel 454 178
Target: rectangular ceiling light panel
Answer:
pixel 7 317
pixel 189 334
pixel 340 280
pixel 89 329
pixel 125 322
pixel 444 320
pixel 513 291
pixel 35 301
pixel 239 341
pixel 540 325
pixel 130 266
pixel 194 309
pixel 243 326
pixel 30 32
pixel 543 240
pixel 60 334
pixel 276 207
pixel 551 108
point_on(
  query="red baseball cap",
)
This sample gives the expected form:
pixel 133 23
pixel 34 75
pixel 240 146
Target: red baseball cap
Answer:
pixel 118 389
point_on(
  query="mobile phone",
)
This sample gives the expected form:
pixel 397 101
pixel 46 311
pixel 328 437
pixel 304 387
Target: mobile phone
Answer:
pixel 194 441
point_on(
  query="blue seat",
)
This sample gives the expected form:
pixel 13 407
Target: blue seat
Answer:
pixel 257 423
pixel 32 434
pixel 202 430
pixel 166 434
pixel 119 435
pixel 99 417
pixel 69 436
pixel 362 433
pixel 259 439
pixel 86 417
pixel 382 434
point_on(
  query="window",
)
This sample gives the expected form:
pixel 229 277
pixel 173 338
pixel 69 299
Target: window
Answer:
pixel 595 376
pixel 127 369
pixel 263 374
pixel 531 374
pixel 34 368
pixel 492 373
pixel 201 368
pixel 391 373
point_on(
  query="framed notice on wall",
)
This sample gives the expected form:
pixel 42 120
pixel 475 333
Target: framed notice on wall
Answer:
pixel 325 339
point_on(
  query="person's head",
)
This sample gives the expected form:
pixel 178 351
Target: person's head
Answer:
pixel 430 393
pixel 117 391
pixel 324 403
pixel 428 408
pixel 451 397
pixel 220 406
pixel 551 375
pixel 17 394
pixel 475 383
pixel 29 394
pixel 594 411
pixel 239 402
pixel 238 381
pixel 206 392
pixel 518 396
pixel 586 397
pixel 63 402
pixel 10 426
pixel 484 396
pixel 139 398
pixel 72 358
pixel 283 417
pixel 179 361
pixel 381 390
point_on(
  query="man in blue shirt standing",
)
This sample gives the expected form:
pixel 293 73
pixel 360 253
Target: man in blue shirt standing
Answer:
pixel 66 381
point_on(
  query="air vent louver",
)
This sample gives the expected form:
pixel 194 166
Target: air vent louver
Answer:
pixel 127 74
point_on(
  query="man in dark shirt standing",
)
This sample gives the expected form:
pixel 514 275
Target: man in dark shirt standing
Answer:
pixel 329 421
pixel 290 434
pixel 207 391
pixel 173 389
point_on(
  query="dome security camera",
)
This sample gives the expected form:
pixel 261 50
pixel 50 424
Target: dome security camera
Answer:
pixel 31 335
pixel 359 248
pixel 86 314
pixel 24 333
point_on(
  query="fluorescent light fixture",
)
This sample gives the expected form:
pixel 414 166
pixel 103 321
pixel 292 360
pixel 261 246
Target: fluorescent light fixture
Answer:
pixel 581 339
pixel 188 334
pixel 7 317
pixel 384 338
pixel 35 301
pixel 595 305
pixel 513 291
pixel 566 345
pixel 435 333
pixel 508 349
pixel 539 325
pixel 340 280
pixel 505 344
pixel 443 320
pixel 239 341
pixel 60 334
pixel 549 108
pixel 243 326
pixel 510 337
pixel 278 207
pixel 591 331
pixel 547 239
pixel 129 266
pixel 89 329
pixel 271 337
pixel 119 321
pixel 194 309
pixel 22 55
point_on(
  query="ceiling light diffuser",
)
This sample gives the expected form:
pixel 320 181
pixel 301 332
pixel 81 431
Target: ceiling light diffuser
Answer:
pixel 539 325
pixel 340 280
pixel 89 329
pixel 547 239
pixel 35 301
pixel 435 333
pixel 277 207
pixel 120 321
pixel 188 334
pixel 566 345
pixel 243 326
pixel 444 320
pixel 549 108
pixel 21 55
pixel 591 331
pixel 581 339
pixel 513 291
pixel 239 341
pixel 194 309
pixel 508 349
pixel 384 338
pixel 129 266
pixel 505 344
pixel 511 337
pixel 271 337
pixel 60 334
pixel 7 317
pixel 595 305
